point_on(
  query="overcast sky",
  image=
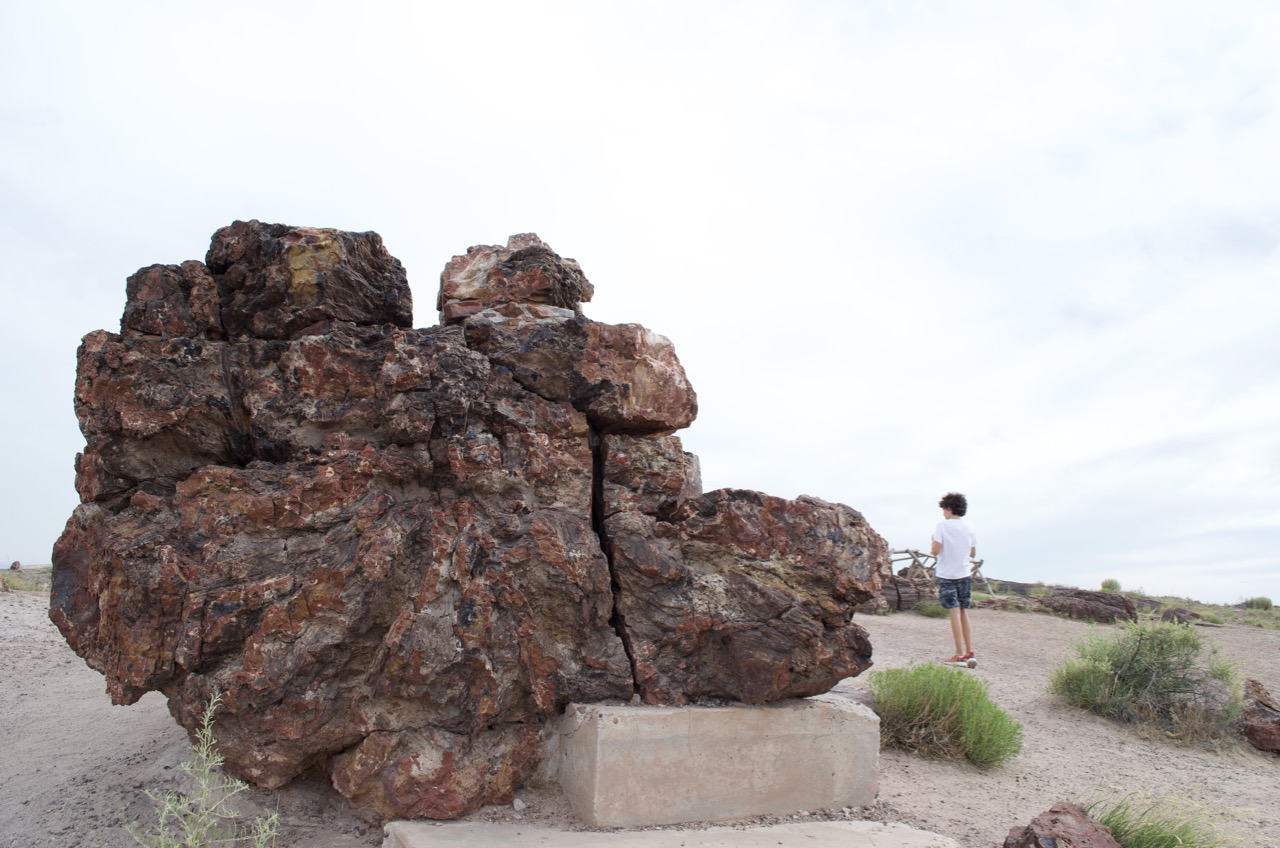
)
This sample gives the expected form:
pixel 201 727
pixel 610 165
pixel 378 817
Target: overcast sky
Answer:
pixel 1022 250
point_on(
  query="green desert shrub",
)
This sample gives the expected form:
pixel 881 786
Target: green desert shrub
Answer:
pixel 1259 603
pixel 27 580
pixel 205 816
pixel 1155 674
pixel 1160 823
pixel 945 712
pixel 1111 585
pixel 931 609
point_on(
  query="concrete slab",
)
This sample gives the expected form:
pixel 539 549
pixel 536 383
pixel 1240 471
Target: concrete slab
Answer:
pixel 810 835
pixel 629 766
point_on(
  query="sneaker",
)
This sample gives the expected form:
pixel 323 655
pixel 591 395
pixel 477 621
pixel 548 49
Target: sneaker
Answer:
pixel 957 661
pixel 968 656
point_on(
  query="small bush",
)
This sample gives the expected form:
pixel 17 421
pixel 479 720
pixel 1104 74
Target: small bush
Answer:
pixel 28 579
pixel 1154 674
pixel 943 712
pixel 1110 585
pixel 1162 823
pixel 204 817
pixel 931 609
pixel 1259 603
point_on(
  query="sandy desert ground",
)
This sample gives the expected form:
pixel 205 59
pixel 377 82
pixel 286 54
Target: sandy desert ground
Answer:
pixel 73 767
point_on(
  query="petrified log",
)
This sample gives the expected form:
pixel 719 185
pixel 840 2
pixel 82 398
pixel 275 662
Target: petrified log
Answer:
pixel 1261 717
pixel 1064 824
pixel 1102 607
pixel 1178 615
pixel 398 552
pixel 1011 603
pixel 904 593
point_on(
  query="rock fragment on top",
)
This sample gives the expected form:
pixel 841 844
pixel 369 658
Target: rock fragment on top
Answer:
pixel 525 272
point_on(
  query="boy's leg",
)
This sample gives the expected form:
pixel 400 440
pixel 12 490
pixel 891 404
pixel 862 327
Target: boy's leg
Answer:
pixel 962 597
pixel 965 632
pixel 959 630
pixel 949 599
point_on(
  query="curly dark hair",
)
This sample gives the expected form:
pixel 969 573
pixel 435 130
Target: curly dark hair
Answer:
pixel 955 502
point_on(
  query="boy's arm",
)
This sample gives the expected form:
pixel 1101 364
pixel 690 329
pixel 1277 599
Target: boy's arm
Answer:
pixel 935 548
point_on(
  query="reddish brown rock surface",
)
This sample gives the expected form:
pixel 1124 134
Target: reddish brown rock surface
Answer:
pixel 1261 717
pixel 398 552
pixel 1064 825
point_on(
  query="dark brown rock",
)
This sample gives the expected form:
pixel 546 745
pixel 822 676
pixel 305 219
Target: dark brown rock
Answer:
pixel 277 281
pixel 390 549
pixel 1261 717
pixel 742 596
pixel 173 301
pixel 1177 615
pixel 1064 825
pixel 625 378
pixel 1102 607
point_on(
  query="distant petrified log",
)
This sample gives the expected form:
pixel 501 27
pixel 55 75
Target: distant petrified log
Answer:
pixel 1102 607
pixel 398 552
pixel 1064 824
pixel 1178 615
pixel 903 593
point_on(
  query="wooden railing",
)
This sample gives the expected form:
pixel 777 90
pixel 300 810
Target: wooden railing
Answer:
pixel 923 565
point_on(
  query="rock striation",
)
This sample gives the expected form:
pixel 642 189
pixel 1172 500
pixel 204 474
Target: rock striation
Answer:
pixel 399 552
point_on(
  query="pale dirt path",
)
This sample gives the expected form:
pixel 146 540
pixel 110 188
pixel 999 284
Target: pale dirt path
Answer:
pixel 72 766
pixel 1067 753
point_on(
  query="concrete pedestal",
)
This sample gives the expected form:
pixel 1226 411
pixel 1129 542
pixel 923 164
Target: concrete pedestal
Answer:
pixel 629 766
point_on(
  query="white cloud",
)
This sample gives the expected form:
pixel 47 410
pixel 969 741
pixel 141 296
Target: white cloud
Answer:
pixel 1027 251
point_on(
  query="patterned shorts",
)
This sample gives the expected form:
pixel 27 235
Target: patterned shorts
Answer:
pixel 954 593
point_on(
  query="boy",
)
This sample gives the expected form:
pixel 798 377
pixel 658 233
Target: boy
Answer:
pixel 953 545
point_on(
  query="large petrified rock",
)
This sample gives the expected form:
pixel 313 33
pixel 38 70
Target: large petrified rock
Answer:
pixel 397 552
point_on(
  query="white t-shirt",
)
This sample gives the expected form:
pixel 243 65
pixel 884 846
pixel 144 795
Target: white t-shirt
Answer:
pixel 957 540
